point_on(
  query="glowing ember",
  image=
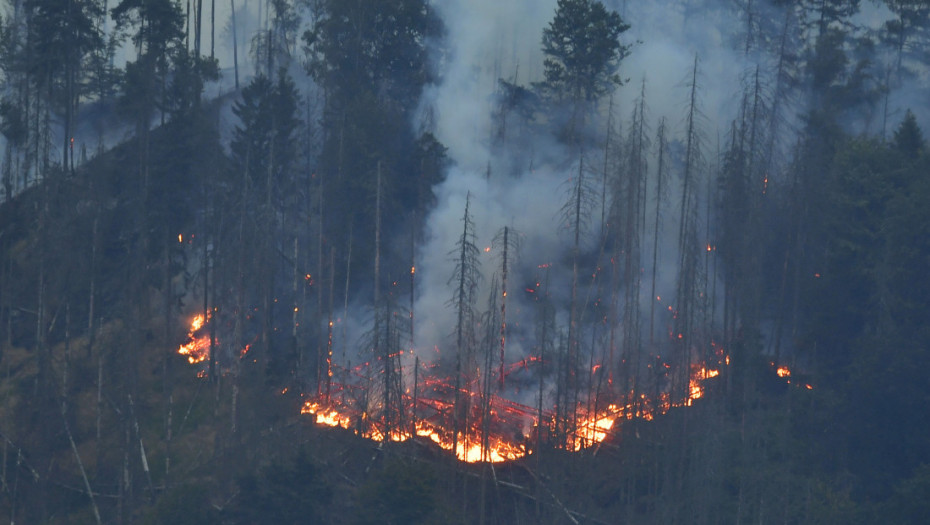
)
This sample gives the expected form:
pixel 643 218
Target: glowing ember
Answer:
pixel 783 371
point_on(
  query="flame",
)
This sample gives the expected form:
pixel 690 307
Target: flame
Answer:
pixel 197 348
pixel 507 430
pixel 498 429
pixel 785 373
pixel 696 384
pixel 591 430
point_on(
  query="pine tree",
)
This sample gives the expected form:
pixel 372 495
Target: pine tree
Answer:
pixel 583 55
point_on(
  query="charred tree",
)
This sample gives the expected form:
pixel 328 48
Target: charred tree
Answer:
pixel 688 247
pixel 508 241
pixel 465 278
pixel 630 218
pixel 575 218
pixel 661 194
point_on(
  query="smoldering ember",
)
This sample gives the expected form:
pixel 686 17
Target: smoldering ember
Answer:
pixel 464 261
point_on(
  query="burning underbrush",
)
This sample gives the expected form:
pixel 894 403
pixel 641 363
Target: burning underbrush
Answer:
pixel 197 347
pixel 492 428
pixel 478 421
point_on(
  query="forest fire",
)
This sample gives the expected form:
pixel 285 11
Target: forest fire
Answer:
pixel 479 425
pixel 696 387
pixel 197 347
pixel 495 429
pixel 785 373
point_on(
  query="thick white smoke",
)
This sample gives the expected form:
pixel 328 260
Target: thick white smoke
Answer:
pixel 490 40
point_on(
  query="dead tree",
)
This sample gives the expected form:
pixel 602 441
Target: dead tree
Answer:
pixel 575 216
pixel 466 276
pixel 508 241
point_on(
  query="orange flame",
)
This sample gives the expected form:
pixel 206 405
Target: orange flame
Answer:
pixel 197 349
pixel 506 430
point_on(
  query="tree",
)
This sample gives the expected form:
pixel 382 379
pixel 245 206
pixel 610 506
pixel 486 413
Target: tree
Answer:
pixel 575 216
pixel 583 55
pixel 158 25
pixel 908 138
pixel 354 47
pixel 182 98
pixel 264 144
pixel 628 218
pixel 583 50
pixel 62 34
pixel 264 149
pixel 687 287
pixel 824 15
pixel 371 61
pixel 909 31
pixel 465 279
pixel 740 245
pixel 508 241
pixel 271 47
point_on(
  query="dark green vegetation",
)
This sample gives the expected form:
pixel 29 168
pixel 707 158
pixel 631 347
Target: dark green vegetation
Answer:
pixel 821 236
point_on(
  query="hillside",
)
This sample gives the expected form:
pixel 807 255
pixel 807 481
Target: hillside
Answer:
pixel 468 261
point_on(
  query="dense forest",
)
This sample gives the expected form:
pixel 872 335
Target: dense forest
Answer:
pixel 413 261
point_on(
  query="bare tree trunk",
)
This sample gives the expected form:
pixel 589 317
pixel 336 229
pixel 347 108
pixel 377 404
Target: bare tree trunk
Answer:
pixel 41 383
pixel 295 291
pixel 143 457
pixel 660 182
pixel 232 7
pixel 240 300
pixel 573 358
pixel 345 297
pixel 466 277
pixel 379 352
pixel 77 457
pixel 329 325
pixel 686 245
pixel 319 296
pixel 197 27
pixel 167 384
pixel 92 294
pixel 503 321
pixel 98 426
